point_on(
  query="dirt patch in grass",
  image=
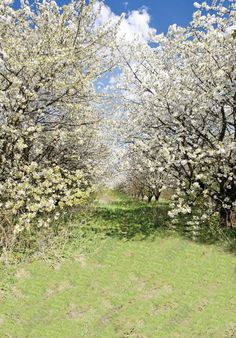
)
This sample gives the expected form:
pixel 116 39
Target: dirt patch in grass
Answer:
pixel 74 312
pixel 22 274
pixel 66 285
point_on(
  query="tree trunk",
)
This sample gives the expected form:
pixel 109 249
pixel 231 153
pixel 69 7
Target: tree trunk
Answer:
pixel 227 218
pixel 157 196
pixel 149 199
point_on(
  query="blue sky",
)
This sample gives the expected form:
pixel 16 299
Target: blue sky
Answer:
pixel 163 13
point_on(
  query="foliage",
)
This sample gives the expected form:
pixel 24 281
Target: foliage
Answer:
pixel 38 196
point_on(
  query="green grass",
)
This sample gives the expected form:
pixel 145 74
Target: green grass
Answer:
pixel 128 277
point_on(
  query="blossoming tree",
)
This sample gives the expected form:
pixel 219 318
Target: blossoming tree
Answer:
pixel 182 94
pixel 50 135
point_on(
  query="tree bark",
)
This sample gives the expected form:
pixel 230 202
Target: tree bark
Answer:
pixel 157 196
pixel 149 199
pixel 227 218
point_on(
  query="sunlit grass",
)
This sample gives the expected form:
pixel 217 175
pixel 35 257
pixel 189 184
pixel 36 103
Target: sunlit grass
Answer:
pixel 127 278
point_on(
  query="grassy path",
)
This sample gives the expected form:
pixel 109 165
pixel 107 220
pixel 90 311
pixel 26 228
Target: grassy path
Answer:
pixel 160 286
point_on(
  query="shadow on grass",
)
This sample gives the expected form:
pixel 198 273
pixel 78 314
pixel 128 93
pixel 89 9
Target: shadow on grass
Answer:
pixel 135 220
pixel 127 219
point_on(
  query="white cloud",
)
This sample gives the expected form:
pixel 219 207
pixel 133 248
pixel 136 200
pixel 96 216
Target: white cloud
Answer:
pixel 135 24
pixel 105 14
